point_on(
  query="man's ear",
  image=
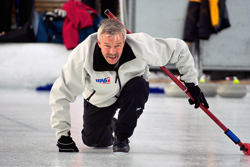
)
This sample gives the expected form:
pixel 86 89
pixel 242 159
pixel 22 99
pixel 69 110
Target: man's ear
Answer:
pixel 99 43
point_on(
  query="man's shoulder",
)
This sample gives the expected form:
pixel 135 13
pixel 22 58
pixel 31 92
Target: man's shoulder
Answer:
pixel 140 36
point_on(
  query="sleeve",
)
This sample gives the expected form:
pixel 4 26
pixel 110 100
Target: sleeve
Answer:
pixel 159 52
pixel 65 90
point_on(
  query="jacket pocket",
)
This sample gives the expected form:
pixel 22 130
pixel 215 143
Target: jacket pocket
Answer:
pixel 91 95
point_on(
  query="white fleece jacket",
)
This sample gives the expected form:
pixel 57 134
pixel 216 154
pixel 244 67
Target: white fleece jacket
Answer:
pixel 87 72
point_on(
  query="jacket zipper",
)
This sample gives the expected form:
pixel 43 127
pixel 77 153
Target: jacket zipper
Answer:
pixel 118 78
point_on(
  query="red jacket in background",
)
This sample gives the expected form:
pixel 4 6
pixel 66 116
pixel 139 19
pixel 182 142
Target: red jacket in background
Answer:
pixel 79 16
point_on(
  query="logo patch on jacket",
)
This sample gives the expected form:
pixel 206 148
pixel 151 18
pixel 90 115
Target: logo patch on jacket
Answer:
pixel 103 81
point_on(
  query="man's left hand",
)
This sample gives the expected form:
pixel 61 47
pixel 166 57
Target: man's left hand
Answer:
pixel 198 97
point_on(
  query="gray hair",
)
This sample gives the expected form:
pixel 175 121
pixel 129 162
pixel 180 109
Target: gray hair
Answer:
pixel 111 27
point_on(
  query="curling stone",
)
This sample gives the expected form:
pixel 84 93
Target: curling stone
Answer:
pixel 173 90
pixel 232 90
pixel 209 89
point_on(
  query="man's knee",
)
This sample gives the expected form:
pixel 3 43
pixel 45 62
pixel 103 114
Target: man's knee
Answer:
pixel 138 84
pixel 97 140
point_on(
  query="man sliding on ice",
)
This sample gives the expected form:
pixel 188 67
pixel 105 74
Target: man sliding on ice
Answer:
pixel 111 69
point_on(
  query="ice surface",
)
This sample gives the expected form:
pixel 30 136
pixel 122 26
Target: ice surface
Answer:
pixel 169 133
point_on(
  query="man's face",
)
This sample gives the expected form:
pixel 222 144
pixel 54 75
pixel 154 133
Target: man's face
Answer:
pixel 111 47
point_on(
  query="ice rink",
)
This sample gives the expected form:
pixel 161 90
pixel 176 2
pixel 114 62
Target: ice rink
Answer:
pixel 170 133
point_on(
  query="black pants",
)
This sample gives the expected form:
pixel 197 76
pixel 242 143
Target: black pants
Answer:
pixel 97 130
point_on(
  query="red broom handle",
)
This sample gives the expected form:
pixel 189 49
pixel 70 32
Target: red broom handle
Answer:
pixel 110 15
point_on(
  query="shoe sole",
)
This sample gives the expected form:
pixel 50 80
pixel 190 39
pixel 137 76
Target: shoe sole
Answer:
pixel 120 153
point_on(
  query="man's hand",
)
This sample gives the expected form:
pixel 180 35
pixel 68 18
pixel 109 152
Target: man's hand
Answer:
pixel 198 97
pixel 66 144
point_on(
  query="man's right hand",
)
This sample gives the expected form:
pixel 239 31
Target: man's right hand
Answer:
pixel 66 144
pixel 198 97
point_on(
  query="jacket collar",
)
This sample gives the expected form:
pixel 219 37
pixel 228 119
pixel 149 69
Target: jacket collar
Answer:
pixel 100 64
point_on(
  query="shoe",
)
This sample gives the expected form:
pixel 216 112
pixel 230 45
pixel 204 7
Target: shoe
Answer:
pixel 121 146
